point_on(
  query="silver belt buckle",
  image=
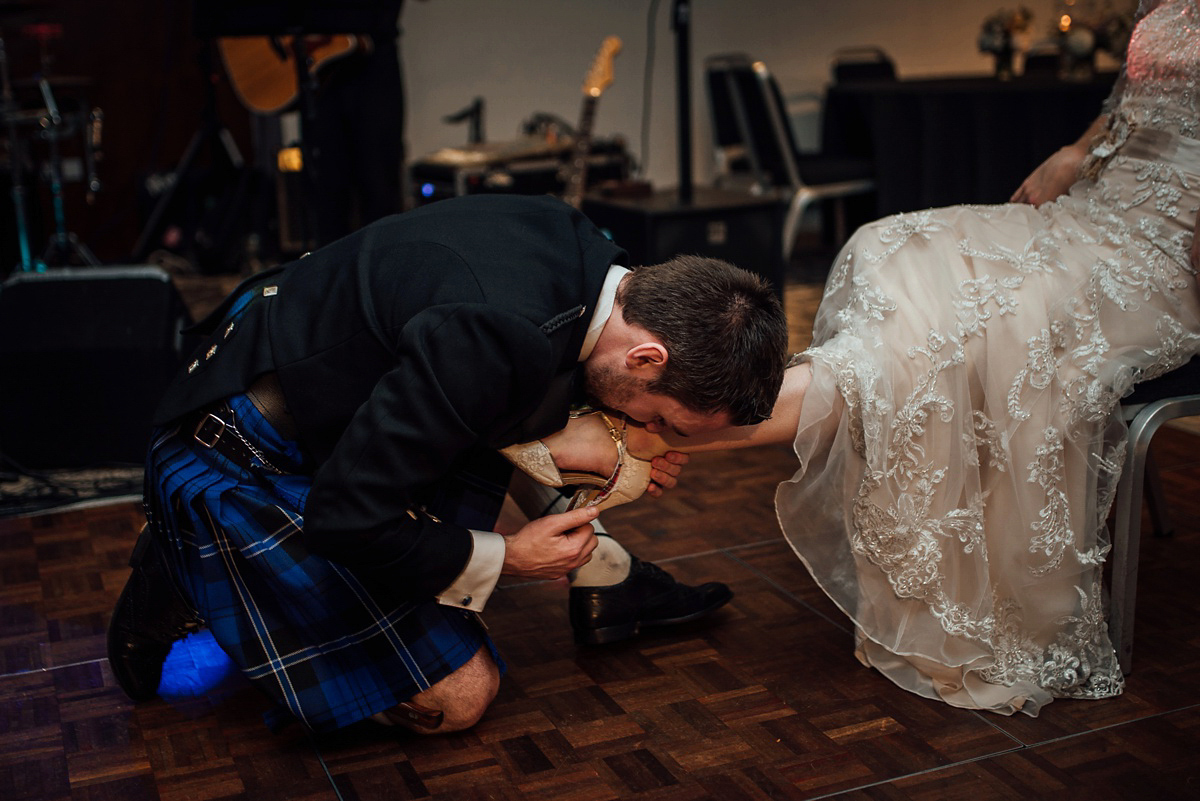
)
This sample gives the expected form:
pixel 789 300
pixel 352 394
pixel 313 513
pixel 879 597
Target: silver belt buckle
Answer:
pixel 216 437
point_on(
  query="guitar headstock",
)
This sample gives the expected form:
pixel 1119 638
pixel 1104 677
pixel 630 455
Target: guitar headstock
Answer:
pixel 601 74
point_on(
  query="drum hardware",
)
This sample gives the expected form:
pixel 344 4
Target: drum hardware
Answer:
pixel 93 152
pixel 203 236
pixel 51 125
pixel 16 159
pixel 54 128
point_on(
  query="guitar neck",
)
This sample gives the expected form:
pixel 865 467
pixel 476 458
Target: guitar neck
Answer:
pixel 598 77
pixel 576 172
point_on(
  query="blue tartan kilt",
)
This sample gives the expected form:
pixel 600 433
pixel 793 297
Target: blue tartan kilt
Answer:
pixel 303 629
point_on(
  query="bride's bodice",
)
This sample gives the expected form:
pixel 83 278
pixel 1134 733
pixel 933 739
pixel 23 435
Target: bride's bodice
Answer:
pixel 1162 69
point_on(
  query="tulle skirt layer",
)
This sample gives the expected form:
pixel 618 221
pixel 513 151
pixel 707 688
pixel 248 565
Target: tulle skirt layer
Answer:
pixel 960 442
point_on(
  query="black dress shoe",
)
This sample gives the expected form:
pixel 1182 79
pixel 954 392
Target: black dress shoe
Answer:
pixel 649 596
pixel 150 616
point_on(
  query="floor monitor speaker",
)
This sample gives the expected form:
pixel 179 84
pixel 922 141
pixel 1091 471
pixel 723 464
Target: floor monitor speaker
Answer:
pixel 85 354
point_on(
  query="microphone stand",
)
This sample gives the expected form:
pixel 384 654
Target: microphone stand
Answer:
pixel 681 21
pixel 62 243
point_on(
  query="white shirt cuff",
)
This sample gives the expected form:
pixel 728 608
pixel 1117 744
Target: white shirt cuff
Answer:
pixel 477 580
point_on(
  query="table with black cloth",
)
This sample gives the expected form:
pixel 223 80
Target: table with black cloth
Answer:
pixel 940 142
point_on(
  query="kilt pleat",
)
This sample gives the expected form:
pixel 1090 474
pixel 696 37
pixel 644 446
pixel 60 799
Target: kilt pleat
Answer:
pixel 301 628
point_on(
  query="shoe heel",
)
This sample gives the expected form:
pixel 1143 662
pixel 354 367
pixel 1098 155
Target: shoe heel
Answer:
pixel 534 459
pixel 606 635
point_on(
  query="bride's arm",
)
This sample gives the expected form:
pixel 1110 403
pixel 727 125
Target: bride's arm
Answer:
pixel 1054 176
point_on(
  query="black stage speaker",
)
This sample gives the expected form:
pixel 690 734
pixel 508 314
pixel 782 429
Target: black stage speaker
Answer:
pixel 738 227
pixel 85 354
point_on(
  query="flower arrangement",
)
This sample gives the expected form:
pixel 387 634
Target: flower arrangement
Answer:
pixel 998 30
pixel 1086 27
pixel 998 34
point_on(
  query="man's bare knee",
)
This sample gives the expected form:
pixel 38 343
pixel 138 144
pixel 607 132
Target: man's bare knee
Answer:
pixel 464 695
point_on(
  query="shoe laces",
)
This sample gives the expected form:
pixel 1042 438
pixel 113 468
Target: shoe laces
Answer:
pixel 656 574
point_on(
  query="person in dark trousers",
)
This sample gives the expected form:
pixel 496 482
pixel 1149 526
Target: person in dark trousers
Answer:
pixel 324 483
pixel 356 133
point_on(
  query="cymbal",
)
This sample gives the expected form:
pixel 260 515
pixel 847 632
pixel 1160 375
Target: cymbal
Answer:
pixel 57 82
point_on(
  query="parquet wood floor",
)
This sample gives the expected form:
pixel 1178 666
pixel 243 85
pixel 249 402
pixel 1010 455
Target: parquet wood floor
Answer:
pixel 766 701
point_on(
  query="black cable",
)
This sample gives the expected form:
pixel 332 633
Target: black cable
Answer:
pixel 38 491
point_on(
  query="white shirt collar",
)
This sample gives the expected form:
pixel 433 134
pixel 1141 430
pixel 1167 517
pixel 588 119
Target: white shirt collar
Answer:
pixel 604 307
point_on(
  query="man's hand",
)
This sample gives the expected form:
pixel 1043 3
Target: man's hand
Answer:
pixel 1052 178
pixel 551 546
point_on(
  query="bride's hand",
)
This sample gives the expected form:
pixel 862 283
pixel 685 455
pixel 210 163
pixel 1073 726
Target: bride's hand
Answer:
pixel 666 465
pixel 585 445
pixel 1052 178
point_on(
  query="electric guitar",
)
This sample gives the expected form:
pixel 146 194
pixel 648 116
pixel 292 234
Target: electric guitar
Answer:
pixel 599 78
pixel 262 69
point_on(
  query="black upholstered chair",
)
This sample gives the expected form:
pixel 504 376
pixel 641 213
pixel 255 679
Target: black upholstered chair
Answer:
pixel 756 149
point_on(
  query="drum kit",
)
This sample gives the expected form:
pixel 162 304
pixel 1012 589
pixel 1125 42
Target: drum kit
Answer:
pixel 58 115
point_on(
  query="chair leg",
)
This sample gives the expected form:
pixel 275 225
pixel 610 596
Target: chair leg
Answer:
pixel 791 221
pixel 1127 528
pixel 1125 541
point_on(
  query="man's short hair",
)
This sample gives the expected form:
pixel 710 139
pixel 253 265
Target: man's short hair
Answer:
pixel 724 329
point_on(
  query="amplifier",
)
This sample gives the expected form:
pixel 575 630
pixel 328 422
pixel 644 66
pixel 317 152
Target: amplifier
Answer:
pixel 524 167
pixel 744 229
pixel 85 354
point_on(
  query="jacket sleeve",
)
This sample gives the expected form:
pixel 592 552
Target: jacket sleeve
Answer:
pixel 460 371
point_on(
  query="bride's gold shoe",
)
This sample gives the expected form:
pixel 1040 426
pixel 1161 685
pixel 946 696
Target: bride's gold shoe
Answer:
pixel 628 481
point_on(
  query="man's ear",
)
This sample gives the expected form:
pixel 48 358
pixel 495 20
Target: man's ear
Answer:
pixel 647 354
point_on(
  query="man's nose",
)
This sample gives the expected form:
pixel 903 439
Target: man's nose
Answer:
pixel 655 427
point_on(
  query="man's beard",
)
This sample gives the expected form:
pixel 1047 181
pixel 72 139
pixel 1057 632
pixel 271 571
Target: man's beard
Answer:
pixel 611 388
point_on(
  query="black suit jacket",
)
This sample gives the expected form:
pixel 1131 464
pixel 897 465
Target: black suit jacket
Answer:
pixel 401 347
